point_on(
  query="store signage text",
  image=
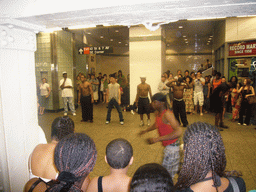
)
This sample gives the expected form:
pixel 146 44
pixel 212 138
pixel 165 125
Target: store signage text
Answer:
pixel 241 49
pixel 95 50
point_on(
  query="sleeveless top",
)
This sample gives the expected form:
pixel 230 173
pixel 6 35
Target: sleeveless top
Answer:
pixel 246 92
pixel 215 84
pixel 100 189
pixel 164 129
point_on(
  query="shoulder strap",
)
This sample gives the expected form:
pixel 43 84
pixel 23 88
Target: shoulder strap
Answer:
pixel 35 184
pixel 234 184
pixel 100 184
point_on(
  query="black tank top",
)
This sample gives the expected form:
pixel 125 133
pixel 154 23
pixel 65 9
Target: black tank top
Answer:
pixel 100 189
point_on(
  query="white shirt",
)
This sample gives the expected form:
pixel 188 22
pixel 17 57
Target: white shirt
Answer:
pixel 44 89
pixel 161 87
pixel 67 92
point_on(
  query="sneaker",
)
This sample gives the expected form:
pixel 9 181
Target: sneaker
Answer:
pixel 245 124
pixel 121 122
pixel 132 112
pixel 74 114
pixel 141 123
pixel 65 114
pixel 148 122
pixel 201 114
pixel 239 123
pixel 107 122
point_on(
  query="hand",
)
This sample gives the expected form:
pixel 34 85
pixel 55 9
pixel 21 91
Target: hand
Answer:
pixel 136 103
pixel 246 96
pixel 119 102
pixel 92 100
pixel 151 140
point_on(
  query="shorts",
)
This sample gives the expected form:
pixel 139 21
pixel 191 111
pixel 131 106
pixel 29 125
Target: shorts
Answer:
pixel 199 97
pixel 171 159
pixel 43 101
pixel 143 106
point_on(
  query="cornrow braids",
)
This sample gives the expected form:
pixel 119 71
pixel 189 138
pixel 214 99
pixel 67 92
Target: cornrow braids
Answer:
pixel 75 156
pixel 203 152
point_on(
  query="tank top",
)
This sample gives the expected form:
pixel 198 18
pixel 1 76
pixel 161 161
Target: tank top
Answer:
pixel 215 84
pixel 246 92
pixel 164 129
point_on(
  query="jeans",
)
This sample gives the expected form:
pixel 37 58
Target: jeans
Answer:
pixel 66 101
pixel 111 104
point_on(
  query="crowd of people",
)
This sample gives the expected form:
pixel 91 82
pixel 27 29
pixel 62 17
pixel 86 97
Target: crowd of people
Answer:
pixel 65 164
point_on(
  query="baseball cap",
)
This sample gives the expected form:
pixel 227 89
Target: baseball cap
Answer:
pixel 64 72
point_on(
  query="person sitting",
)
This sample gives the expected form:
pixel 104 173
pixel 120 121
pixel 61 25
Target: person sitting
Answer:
pixel 41 162
pixel 75 156
pixel 204 163
pixel 119 156
pixel 151 177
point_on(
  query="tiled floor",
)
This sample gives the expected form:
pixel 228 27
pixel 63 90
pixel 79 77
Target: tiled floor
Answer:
pixel 240 141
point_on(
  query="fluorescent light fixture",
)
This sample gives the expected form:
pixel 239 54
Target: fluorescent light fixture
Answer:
pixel 89 33
pixel 116 31
pixel 119 42
pixel 180 27
pixel 247 16
pixel 101 37
pixel 206 18
pixel 184 36
pixel 81 26
pixel 111 40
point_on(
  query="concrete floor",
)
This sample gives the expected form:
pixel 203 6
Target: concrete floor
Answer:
pixel 239 141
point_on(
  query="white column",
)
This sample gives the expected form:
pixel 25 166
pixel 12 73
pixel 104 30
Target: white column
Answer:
pixel 19 126
pixel 147 56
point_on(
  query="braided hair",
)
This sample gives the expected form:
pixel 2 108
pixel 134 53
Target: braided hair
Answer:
pixel 203 152
pixel 75 156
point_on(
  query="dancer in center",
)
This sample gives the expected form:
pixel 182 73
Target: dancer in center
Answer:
pixel 169 131
pixel 142 100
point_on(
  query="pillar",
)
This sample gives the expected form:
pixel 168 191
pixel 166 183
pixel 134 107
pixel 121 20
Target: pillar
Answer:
pixel 19 130
pixel 147 57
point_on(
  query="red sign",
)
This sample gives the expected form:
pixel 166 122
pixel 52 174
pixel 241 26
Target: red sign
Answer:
pixel 86 50
pixel 241 49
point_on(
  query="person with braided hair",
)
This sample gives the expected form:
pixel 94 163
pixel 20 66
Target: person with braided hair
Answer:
pixel 204 163
pixel 74 156
pixel 41 162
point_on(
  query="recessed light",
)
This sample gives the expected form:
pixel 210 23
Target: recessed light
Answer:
pixel 116 31
pixel 111 39
pixel 208 41
pixel 101 37
pixel 180 27
pixel 119 42
pixel 210 38
pixel 89 33
pixel 184 35
pixel 126 44
pixel 186 39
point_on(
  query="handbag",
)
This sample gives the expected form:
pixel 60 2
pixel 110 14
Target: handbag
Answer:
pixel 251 99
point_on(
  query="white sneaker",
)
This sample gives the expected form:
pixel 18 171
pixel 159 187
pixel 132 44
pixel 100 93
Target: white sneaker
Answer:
pixel 239 123
pixel 65 114
pixel 107 122
pixel 74 114
pixel 149 122
pixel 201 114
pixel 132 112
pixel 141 123
pixel 245 124
pixel 121 122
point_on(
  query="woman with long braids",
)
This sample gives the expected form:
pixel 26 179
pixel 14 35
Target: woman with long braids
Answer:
pixel 205 162
pixel 75 156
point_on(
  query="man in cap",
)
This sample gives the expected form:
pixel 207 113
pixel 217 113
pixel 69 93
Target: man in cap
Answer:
pixel 169 131
pixel 67 94
pixel 142 100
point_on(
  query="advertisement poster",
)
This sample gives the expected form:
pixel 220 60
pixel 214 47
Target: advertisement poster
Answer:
pixel 239 67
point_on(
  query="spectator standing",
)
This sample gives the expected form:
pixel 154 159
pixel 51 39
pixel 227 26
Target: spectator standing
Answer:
pixel 45 92
pixel 67 94
pixel 100 93
pixel 188 96
pixel 95 86
pixel 198 83
pixel 206 90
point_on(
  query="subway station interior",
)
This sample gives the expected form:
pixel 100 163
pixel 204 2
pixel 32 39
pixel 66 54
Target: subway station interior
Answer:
pixel 138 37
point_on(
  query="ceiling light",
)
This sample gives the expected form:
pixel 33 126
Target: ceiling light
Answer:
pixel 184 35
pixel 89 33
pixel 247 16
pixel 186 39
pixel 126 44
pixel 180 27
pixel 208 41
pixel 101 37
pixel 210 38
pixel 116 31
pixel 111 39
pixel 81 26
pixel 52 30
pixel 119 42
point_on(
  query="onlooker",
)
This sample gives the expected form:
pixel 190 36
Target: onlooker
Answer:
pixel 85 98
pixel 178 74
pixel 45 92
pixel 198 83
pixel 188 96
pixel 100 93
pixel 216 81
pixel 162 85
pixel 192 75
pixel 179 108
pixel 41 162
pixel 247 91
pixel 114 99
pixel 151 177
pixel 67 94
pixel 95 86
pixel 169 131
pixel 75 156
pixel 78 82
pixel 214 72
pixel 235 98
pixel 206 90
pixel 119 156
pixel 142 100
pixel 105 83
pixel 204 162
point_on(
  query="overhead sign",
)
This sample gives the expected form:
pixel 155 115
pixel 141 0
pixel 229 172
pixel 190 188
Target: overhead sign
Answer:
pixel 95 50
pixel 241 49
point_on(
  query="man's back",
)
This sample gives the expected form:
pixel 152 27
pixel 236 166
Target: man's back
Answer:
pixel 111 183
pixel 42 161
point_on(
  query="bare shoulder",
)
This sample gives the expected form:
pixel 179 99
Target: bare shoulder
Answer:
pixel 93 185
pixel 40 187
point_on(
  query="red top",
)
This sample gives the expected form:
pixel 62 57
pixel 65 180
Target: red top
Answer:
pixel 164 129
pixel 215 84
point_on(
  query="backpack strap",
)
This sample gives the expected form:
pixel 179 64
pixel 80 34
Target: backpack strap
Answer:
pixel 234 184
